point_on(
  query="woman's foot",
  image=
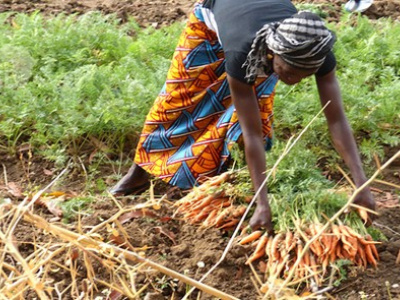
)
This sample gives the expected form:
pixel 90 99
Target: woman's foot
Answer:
pixel 135 181
pixel 358 5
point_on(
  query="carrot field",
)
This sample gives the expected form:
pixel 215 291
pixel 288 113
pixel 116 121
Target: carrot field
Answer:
pixel 77 79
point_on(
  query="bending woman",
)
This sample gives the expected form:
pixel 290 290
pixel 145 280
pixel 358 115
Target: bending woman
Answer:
pixel 220 89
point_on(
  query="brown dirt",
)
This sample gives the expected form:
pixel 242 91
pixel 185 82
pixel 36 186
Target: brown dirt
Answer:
pixel 146 13
pixel 379 9
pixel 182 247
pixel 161 12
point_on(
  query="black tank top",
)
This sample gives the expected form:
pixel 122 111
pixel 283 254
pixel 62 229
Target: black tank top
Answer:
pixel 238 22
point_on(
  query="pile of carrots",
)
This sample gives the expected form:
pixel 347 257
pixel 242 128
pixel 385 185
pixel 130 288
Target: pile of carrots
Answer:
pixel 281 251
pixel 211 206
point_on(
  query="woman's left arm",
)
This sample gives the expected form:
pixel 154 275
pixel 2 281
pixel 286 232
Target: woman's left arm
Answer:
pixel 342 136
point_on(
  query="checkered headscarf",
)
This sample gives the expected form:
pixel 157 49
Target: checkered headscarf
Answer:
pixel 302 41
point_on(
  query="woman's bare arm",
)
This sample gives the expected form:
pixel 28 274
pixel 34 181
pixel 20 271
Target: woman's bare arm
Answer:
pixel 247 109
pixel 342 136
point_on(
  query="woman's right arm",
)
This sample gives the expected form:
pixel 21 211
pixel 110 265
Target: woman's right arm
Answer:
pixel 247 109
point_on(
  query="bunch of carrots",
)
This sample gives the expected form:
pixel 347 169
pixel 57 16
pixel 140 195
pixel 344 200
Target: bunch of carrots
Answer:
pixel 281 251
pixel 210 206
pixel 213 204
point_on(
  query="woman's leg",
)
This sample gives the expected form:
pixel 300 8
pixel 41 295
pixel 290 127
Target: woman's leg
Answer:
pixel 135 181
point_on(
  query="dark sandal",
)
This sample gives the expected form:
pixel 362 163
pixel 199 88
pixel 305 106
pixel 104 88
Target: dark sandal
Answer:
pixel 130 191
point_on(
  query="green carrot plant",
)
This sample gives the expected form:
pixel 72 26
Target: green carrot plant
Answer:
pixel 69 79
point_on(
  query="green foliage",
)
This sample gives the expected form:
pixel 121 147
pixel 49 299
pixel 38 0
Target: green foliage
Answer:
pixel 297 188
pixel 74 206
pixel 68 78
pixel 341 266
pixel 315 8
pixel 368 59
pixel 376 234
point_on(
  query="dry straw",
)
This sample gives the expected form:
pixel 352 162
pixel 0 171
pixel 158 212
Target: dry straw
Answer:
pixel 107 250
pixel 31 273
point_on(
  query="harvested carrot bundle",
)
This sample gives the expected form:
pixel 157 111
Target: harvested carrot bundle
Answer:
pixel 211 204
pixel 338 242
pixel 220 203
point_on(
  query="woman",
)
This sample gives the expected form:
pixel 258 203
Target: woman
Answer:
pixel 224 71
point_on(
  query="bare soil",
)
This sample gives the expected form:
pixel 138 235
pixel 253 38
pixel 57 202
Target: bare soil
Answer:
pixel 184 248
pixel 191 251
pixel 162 12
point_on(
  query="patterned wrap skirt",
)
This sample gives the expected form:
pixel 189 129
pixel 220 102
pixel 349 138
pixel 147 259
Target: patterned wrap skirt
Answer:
pixel 192 125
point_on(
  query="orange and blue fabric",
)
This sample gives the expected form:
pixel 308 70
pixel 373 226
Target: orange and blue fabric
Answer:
pixel 192 125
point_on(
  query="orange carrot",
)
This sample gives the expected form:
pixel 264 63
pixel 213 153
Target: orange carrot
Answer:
pixel 191 215
pixel 353 233
pixel 239 211
pixel 226 203
pixel 248 199
pixel 363 215
pixel 332 256
pixel 205 202
pixel 314 268
pixel 372 246
pixel 306 258
pixel 370 256
pixel 325 242
pixel 281 265
pixel 300 268
pixel 286 241
pixel 223 215
pixel 260 249
pixel 229 224
pixel 338 251
pixel 316 245
pixel 211 218
pixel 344 237
pixel 358 261
pixel 336 231
pixel 335 238
pixel 268 251
pixel 251 237
pixel 317 248
pixel 289 241
pixel 244 231
pixel 350 245
pixel 217 202
pixel 217 180
pixel 361 253
pixel 325 264
pixel 275 246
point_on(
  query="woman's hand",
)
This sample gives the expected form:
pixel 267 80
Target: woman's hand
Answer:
pixel 262 218
pixel 365 199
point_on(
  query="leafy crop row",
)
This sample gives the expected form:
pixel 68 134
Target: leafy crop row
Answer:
pixel 368 70
pixel 67 79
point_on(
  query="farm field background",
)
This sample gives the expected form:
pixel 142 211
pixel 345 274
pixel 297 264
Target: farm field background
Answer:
pixel 75 89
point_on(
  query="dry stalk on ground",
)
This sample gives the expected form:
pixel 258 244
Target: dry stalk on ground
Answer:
pixel 88 248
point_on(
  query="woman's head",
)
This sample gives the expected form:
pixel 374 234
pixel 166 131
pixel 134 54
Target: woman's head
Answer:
pixel 301 41
pixel 289 74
